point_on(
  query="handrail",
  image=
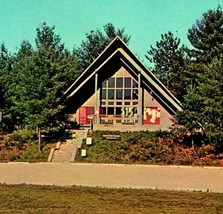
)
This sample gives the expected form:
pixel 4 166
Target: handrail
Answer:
pixel 57 147
pixel 50 157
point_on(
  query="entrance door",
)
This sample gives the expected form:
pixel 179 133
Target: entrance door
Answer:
pixel 86 114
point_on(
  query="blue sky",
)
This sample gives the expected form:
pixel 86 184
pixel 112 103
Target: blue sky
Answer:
pixel 144 20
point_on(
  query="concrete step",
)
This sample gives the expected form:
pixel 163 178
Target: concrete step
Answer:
pixel 68 149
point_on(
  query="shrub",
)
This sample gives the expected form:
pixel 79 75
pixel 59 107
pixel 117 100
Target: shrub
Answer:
pixel 148 148
pixel 22 135
pixel 216 139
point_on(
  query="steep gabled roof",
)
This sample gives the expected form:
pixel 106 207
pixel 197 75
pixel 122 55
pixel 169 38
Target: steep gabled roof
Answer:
pixel 115 56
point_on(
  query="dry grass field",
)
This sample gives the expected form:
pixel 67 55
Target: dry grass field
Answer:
pixel 85 200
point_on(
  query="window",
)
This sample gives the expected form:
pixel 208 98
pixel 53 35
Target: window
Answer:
pixel 119 82
pixel 134 110
pixel 110 94
pixel 104 84
pixel 135 94
pixel 111 110
pixel 127 82
pixel 103 94
pixel 127 103
pixel 127 94
pixel 90 110
pixel 118 110
pixel 135 84
pixel 119 99
pixel 119 94
pixel 111 83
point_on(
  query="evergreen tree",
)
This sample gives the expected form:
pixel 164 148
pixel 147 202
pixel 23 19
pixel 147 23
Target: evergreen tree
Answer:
pixel 169 58
pixel 203 105
pixel 6 67
pixel 206 36
pixel 3 66
pixel 54 69
pixel 96 41
pixel 38 80
pixel 17 86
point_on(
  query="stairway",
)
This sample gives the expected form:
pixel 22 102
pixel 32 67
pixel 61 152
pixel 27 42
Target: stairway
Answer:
pixel 68 149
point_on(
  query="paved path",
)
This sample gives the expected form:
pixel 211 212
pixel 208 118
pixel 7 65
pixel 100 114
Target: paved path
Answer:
pixel 66 153
pixel 114 176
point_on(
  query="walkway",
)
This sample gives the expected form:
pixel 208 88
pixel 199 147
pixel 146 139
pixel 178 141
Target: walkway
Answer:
pixel 68 149
pixel 114 176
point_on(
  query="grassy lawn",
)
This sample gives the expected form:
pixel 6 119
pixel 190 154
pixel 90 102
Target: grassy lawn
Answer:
pixel 52 199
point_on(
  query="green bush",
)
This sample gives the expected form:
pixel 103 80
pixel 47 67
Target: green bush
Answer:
pixel 216 139
pixel 22 135
pixel 147 148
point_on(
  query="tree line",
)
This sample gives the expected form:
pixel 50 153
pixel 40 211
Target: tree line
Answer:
pixel 195 75
pixel 32 80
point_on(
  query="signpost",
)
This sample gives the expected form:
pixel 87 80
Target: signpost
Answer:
pixel 91 117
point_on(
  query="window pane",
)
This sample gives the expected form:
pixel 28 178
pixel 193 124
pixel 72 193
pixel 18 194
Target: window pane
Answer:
pixel 90 110
pixel 103 94
pixel 111 94
pixel 118 94
pixel 135 84
pixel 104 84
pixel 127 94
pixel 127 82
pixel 111 83
pixel 135 94
pixel 135 110
pixel 119 82
pixel 111 110
pixel 118 110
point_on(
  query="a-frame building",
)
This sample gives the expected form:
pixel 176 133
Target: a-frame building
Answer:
pixel 117 92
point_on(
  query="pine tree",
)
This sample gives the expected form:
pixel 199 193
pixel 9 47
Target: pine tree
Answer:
pixel 3 67
pixel 6 68
pixel 169 59
pixel 96 41
pixel 203 104
pixel 54 69
pixel 38 79
pixel 18 86
pixel 206 37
